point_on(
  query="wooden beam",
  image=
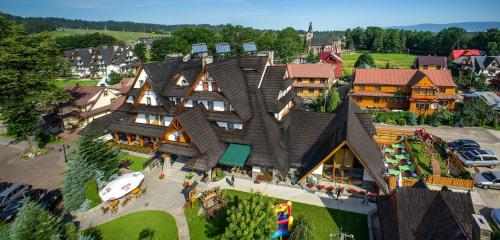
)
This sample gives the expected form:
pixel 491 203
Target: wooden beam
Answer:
pixel 180 107
pixel 322 161
pixel 366 168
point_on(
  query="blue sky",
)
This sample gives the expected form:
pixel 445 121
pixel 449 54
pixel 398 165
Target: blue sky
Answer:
pixel 268 14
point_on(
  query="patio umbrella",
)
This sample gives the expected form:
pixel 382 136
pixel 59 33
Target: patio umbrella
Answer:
pixel 121 186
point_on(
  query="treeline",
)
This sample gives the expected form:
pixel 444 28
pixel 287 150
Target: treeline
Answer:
pixel 40 24
pixel 86 41
pixel 287 43
pixel 421 43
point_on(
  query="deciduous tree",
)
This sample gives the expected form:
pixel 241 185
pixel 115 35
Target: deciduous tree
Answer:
pixel 140 51
pixel 364 58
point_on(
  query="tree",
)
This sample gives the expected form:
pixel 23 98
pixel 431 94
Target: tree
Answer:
pixel 89 40
pixel 288 45
pixel 451 38
pixel 364 58
pixel 266 41
pixel 35 223
pixel 312 58
pixel 330 102
pixel 250 218
pixel 29 65
pixel 301 230
pixel 168 45
pixel 476 112
pixel 75 178
pixel 140 51
pixel 237 35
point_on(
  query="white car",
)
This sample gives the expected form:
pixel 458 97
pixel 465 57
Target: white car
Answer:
pixel 487 180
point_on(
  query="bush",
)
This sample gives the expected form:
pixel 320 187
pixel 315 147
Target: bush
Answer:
pixel 401 121
pixel 411 119
pixel 146 234
pixel 91 234
pixel 301 230
pixel 91 193
pixel 421 119
pixel 392 117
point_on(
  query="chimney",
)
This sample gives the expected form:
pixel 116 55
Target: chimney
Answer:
pixel 186 58
pixel 207 60
pixel 481 230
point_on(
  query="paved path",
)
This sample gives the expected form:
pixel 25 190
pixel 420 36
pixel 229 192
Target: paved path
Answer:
pixel 163 195
pixel 350 204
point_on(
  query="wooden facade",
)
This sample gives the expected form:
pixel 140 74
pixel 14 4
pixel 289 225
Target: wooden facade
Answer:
pixel 309 88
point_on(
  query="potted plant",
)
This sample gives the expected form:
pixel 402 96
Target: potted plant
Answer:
pixel 320 187
pixel 162 175
pixel 352 191
pixel 330 189
pixel 310 185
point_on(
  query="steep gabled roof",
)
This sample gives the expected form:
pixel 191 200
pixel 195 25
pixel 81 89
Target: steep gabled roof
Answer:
pixel 347 128
pixel 194 123
pixel 430 60
pixel 484 62
pixel 415 213
pixel 317 70
pixel 455 54
pixel 229 77
pixel 402 77
pixel 82 94
pixel 272 84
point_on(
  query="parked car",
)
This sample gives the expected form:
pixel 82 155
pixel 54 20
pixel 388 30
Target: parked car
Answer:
pixel 464 145
pixel 4 185
pixel 487 180
pixel 12 193
pixel 10 211
pixel 479 158
pixel 51 199
pixel 495 215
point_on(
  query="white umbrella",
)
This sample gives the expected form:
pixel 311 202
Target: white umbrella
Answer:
pixel 121 186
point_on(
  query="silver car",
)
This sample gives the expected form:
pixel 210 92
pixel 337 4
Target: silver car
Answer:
pixel 487 180
pixel 479 158
pixel 12 193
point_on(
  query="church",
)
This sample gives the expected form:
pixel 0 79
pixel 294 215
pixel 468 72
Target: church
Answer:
pixel 322 43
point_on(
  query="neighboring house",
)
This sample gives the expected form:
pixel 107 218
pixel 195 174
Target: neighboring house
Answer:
pixel 242 112
pixel 419 91
pixel 489 66
pixel 430 62
pixel 332 58
pixel 415 213
pixel 311 80
pixel 100 61
pixel 322 43
pixel 462 57
pixel 489 97
pixel 87 104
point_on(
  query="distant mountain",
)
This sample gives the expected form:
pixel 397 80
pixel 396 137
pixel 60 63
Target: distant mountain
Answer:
pixel 434 27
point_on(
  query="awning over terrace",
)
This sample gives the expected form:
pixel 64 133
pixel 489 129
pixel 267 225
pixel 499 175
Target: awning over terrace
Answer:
pixel 235 155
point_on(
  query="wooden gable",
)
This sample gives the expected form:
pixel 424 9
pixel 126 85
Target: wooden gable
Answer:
pixel 145 87
pixel 174 127
pixel 424 82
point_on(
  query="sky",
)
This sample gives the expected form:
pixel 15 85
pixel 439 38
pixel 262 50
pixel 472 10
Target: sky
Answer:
pixel 265 14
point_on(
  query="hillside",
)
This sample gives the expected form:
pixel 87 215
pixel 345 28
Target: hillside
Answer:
pixel 123 36
pixel 433 27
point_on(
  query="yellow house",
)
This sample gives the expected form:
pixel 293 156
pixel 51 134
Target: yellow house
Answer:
pixel 311 80
pixel 419 91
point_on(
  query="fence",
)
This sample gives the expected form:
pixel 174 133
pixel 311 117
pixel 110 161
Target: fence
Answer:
pixel 450 182
pixel 453 158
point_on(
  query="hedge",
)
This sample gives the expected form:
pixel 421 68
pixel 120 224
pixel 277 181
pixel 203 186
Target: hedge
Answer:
pixel 394 117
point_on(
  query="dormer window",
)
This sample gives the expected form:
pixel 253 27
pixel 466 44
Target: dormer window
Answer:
pixel 182 81
pixel 105 93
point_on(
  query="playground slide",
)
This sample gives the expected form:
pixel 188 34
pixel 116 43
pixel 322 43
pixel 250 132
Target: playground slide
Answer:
pixel 285 219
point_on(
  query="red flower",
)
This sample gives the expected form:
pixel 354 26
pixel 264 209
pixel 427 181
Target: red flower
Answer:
pixel 320 187
pixel 310 185
pixel 330 188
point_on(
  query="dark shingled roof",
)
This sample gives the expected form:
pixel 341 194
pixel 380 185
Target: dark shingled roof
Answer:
pixel 186 151
pixel 430 60
pixel 99 126
pixel 321 40
pixel 137 128
pixel 414 213
pixel 194 123
pixel 346 126
pixel 271 85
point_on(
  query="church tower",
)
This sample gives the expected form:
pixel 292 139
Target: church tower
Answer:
pixel 309 35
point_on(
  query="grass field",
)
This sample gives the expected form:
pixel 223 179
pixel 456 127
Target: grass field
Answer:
pixel 124 36
pixel 137 162
pixel 131 225
pixel 396 60
pixel 75 82
pixel 323 220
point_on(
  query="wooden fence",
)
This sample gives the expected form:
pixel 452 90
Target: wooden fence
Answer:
pixel 450 182
pixel 412 157
pixel 453 158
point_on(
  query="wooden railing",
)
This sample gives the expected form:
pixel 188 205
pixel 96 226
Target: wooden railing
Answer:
pixel 453 158
pixel 450 182
pixel 412 157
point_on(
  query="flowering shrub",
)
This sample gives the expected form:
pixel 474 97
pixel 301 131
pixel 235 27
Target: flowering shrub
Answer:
pixel 310 185
pixel 330 188
pixel 352 191
pixel 320 187
pixel 162 175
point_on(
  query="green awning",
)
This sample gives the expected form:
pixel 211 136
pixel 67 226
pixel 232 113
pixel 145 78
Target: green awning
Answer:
pixel 235 155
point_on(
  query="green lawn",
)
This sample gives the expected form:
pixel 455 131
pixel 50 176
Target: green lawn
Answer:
pixel 75 82
pixel 423 159
pixel 137 162
pixel 323 220
pixel 123 36
pixel 130 226
pixel 396 60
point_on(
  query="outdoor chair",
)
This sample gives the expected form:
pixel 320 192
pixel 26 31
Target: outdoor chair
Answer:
pixel 105 210
pixel 125 202
pixel 144 189
pixel 114 209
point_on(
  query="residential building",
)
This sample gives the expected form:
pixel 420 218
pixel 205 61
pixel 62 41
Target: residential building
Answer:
pixel 332 58
pixel 198 113
pixel 87 104
pixel 488 66
pixel 419 91
pixel 101 61
pixel 415 213
pixel 430 62
pixel 311 80
pixel 322 43
pixel 490 98
pixel 462 57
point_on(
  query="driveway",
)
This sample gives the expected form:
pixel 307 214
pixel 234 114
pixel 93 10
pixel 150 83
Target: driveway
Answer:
pixel 43 172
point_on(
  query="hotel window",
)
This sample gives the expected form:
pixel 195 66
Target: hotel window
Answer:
pixel 443 103
pixel 361 88
pixel 311 80
pixel 297 89
pixel 311 90
pixel 422 106
pixel 148 101
pixel 426 67
pixel 442 89
pixel 399 88
pixel 377 87
pixel 376 100
pixel 105 93
pixel 359 99
pixel 299 80
pixel 147 119
pixel 323 81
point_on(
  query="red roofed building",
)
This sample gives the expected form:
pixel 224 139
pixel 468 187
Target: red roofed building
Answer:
pixel 311 80
pixel 332 58
pixel 456 54
pixel 419 91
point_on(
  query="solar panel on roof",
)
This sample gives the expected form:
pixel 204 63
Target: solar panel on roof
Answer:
pixel 249 47
pixel 222 48
pixel 199 48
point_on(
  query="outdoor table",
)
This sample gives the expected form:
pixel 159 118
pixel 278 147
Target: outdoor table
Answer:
pixel 121 186
pixel 114 203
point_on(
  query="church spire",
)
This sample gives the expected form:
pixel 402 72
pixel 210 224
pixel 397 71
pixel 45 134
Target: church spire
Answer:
pixel 310 27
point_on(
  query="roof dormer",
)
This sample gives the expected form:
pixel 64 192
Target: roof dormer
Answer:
pixel 182 81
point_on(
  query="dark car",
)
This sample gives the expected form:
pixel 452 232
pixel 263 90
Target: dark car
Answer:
pixel 51 199
pixel 464 145
pixel 9 212
pixel 12 193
